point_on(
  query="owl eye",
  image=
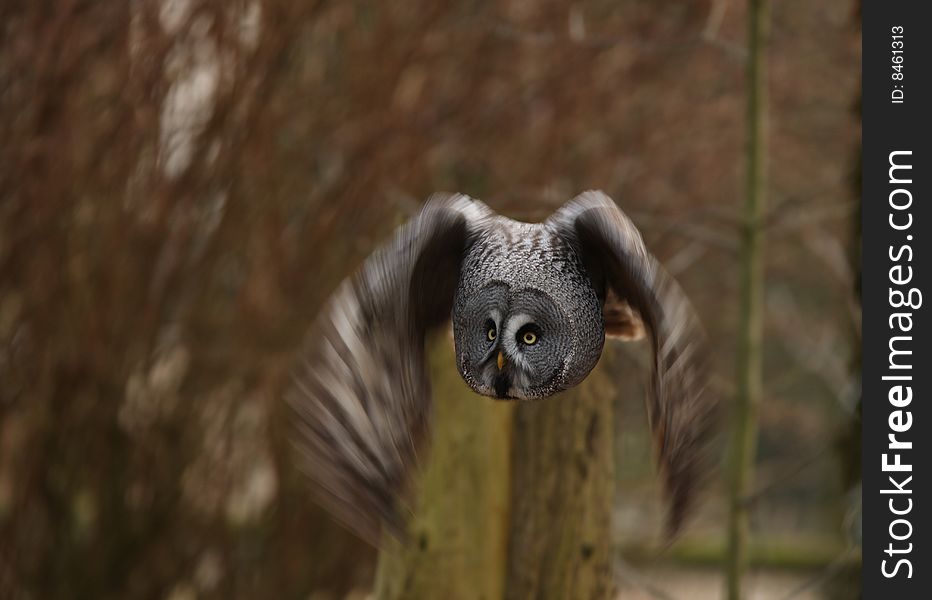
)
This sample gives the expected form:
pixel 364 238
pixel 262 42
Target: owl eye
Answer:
pixel 528 335
pixel 490 331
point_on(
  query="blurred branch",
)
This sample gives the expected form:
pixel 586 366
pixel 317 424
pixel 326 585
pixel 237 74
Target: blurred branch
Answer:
pixel 814 346
pixel 791 473
pixel 749 380
pixel 714 20
pixel 831 253
pixel 732 50
pixel 690 227
pixel 710 32
pixel 682 260
pixel 825 575
pixel 578 36
pixel 794 214
pixel 626 572
pixel 788 218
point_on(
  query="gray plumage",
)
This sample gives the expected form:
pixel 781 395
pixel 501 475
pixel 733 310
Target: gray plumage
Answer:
pixel 530 306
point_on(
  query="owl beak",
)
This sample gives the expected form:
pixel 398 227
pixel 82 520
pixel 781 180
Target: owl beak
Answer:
pixel 501 361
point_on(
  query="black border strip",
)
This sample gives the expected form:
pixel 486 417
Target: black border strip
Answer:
pixel 889 256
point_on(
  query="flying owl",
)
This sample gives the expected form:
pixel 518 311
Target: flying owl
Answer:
pixel 530 304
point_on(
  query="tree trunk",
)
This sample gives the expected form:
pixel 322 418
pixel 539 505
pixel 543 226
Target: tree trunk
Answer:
pixel 458 535
pixel 559 484
pixel 744 442
pixel 562 489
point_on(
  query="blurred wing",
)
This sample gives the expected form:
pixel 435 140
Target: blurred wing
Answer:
pixel 361 395
pixel 680 409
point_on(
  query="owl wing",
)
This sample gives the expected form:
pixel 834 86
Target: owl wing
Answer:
pixel 361 396
pixel 680 408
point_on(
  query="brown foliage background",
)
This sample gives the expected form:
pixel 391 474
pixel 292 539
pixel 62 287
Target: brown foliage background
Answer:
pixel 182 183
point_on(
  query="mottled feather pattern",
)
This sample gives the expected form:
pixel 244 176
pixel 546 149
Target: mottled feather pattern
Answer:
pixel 530 255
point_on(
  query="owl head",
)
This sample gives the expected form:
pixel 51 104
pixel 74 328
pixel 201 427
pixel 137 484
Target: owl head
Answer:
pixel 523 342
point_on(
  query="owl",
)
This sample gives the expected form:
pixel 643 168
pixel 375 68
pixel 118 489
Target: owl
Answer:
pixel 530 304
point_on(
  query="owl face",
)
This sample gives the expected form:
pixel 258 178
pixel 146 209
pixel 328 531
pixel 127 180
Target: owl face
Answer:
pixel 516 343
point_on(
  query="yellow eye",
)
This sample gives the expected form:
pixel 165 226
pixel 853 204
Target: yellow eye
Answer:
pixel 529 338
pixel 491 334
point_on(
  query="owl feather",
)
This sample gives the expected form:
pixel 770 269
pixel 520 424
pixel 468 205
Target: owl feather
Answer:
pixel 361 395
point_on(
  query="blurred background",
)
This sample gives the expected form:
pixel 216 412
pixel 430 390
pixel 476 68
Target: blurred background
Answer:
pixel 184 182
